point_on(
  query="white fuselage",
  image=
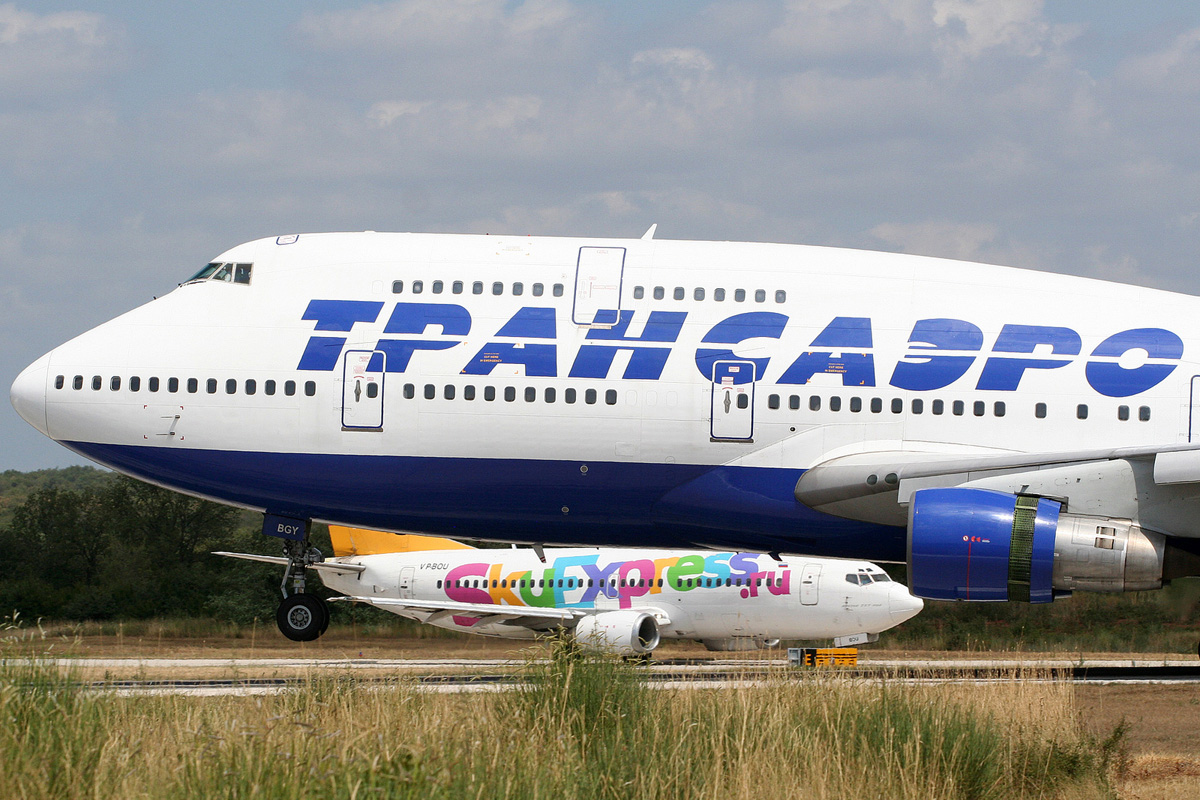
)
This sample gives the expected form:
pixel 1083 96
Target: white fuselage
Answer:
pixel 624 392
pixel 696 595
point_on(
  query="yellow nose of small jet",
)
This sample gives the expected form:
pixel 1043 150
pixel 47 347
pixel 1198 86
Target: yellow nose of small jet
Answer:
pixel 28 394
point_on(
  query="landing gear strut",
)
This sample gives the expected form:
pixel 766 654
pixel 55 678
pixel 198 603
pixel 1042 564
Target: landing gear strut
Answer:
pixel 301 617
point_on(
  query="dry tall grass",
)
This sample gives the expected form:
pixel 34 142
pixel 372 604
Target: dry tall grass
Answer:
pixel 579 728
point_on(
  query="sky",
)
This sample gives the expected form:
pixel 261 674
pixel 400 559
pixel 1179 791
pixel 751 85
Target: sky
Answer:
pixel 140 139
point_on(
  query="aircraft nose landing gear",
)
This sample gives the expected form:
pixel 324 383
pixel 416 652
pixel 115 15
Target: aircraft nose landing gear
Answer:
pixel 301 617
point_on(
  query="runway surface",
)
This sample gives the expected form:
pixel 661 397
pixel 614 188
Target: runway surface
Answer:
pixel 251 676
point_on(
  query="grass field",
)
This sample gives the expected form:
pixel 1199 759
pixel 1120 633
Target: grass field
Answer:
pixel 581 728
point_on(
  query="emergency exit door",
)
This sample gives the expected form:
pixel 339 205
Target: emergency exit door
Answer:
pixel 362 390
pixel 598 276
pixel 810 581
pixel 733 401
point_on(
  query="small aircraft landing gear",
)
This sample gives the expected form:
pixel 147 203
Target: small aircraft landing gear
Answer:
pixel 301 617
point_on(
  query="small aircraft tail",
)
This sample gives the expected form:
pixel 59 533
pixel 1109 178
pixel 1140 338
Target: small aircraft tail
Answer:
pixel 359 542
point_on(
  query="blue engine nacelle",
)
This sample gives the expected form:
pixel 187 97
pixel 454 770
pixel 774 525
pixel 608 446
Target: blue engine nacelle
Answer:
pixel 980 544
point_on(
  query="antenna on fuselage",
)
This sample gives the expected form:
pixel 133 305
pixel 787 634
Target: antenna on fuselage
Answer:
pixel 541 553
pixel 649 234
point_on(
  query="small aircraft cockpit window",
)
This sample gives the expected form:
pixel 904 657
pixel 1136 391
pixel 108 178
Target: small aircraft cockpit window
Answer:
pixel 204 273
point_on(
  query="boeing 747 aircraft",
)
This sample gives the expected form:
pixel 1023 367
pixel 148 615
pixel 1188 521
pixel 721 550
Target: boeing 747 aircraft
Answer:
pixel 1010 434
pixel 620 601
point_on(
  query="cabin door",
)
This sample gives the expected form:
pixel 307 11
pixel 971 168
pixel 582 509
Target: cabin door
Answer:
pixel 733 401
pixel 810 579
pixel 362 390
pixel 406 583
pixel 1193 431
pixel 598 276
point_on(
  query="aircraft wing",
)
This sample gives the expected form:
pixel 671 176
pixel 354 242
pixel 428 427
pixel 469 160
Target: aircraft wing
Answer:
pixel 526 616
pixel 332 566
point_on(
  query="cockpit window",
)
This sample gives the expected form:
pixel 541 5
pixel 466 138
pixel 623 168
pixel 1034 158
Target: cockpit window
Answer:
pixel 207 270
pixel 229 273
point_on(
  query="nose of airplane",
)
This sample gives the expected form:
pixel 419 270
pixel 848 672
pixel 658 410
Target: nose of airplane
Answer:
pixel 902 604
pixel 28 393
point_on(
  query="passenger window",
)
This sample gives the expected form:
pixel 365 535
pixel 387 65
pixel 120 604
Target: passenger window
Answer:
pixel 77 382
pixel 698 294
pixel 456 287
pixel 814 402
pixel 497 288
pixel 135 383
pixel 659 293
pixel 1081 411
pixel 999 409
pixel 269 387
pixel 510 394
pixel 835 403
pixel 437 287
pixel 876 405
pixel 1144 413
pixel 530 394
pixel 780 296
pixel 678 292
pixel 980 408
pixel 538 289
pixel 477 287
pixel 550 394
pixel 639 292
pixel 372 390
pixel 469 392
pixel 310 388
pixel 230 386
pixel 518 289
pixel 210 385
pixel 251 386
pixel 897 405
pixel 172 385
pixel 430 391
pixel 760 295
pixel 918 405
pixel 719 295
pixel 153 384
pixel 939 407
pixel 739 295
pixel 193 385
pixel 569 396
pixel 97 382
pixel 115 383
pixel 959 408
pixel 447 392
pixel 289 388
pixel 773 401
pixel 610 397
pixel 241 273
pixel 558 290
pixel 855 405
pixel 743 401
pixel 489 393
pixel 589 396
pixel 397 287
pixel 1123 413
pixel 418 287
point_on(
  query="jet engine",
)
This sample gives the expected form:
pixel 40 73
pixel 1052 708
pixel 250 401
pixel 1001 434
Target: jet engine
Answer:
pixel 981 544
pixel 626 633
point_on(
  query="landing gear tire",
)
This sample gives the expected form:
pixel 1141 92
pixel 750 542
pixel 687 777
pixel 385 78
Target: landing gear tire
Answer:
pixel 302 617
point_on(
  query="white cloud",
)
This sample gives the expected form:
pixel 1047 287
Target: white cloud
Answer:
pixel 43 54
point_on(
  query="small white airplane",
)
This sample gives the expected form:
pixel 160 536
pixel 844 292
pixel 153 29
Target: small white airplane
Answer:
pixel 1012 435
pixel 622 601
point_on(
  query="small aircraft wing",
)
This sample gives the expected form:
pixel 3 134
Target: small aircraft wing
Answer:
pixel 332 566
pixel 525 616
